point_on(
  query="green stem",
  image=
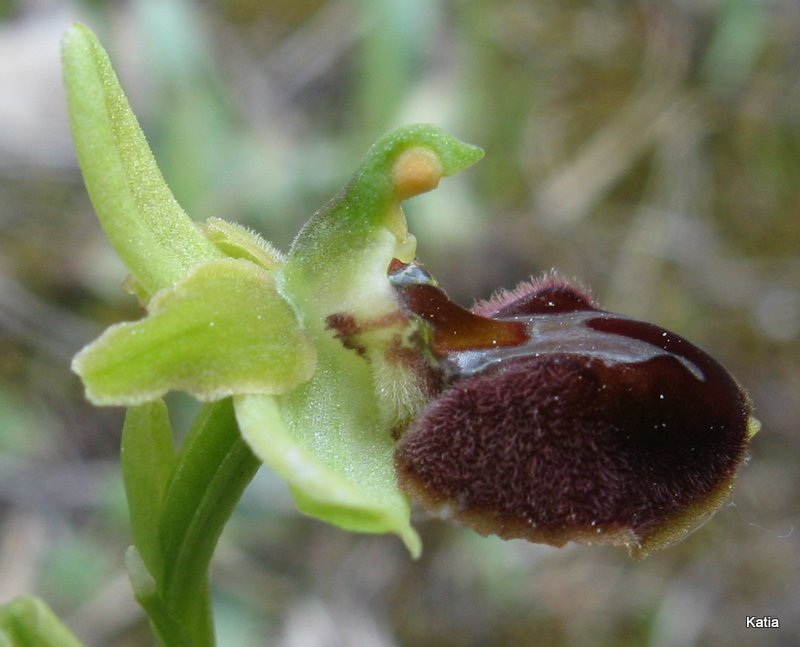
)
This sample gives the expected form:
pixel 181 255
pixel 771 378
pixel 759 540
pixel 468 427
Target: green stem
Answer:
pixel 213 468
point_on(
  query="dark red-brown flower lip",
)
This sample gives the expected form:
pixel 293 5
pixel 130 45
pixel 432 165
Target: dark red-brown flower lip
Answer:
pixel 598 428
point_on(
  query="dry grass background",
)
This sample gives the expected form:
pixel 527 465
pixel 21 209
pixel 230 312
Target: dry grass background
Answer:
pixel 649 148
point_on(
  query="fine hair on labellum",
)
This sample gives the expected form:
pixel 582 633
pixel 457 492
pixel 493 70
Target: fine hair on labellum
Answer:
pixel 597 428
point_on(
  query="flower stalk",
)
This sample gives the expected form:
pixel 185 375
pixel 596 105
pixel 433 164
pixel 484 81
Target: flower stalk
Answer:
pixel 344 368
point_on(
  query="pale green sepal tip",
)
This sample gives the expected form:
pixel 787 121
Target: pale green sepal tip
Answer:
pixel 223 330
pixel 359 519
pixel 319 488
pixel 147 227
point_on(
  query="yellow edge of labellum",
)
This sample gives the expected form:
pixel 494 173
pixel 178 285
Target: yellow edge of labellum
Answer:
pixel 753 427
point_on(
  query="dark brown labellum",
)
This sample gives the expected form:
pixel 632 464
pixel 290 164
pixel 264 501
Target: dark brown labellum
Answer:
pixel 561 421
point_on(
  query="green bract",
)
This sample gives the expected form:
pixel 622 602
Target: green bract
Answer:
pixel 228 315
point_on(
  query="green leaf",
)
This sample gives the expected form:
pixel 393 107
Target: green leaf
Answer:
pixel 147 227
pixel 182 519
pixel 148 458
pixel 28 622
pixel 221 331
pixel 214 467
pixel 332 476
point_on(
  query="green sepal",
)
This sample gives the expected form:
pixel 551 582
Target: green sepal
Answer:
pixel 148 458
pixel 221 331
pixel 332 476
pixel 26 621
pixel 147 227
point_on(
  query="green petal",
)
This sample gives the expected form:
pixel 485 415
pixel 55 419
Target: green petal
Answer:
pixel 223 330
pixel 332 478
pixel 341 255
pixel 237 241
pixel 147 227
pixel 28 622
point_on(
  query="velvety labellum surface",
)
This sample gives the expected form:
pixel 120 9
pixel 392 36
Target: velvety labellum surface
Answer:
pixel 596 428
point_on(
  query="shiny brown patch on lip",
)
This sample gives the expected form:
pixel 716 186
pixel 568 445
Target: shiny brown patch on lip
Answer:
pixel 452 327
pixel 562 422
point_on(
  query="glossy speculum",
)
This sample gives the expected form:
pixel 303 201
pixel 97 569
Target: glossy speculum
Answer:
pixel 560 421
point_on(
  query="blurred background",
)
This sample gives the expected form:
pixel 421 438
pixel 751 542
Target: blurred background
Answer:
pixel 649 148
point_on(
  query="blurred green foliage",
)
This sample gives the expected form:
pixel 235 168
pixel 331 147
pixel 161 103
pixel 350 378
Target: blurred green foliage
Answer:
pixel 650 149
